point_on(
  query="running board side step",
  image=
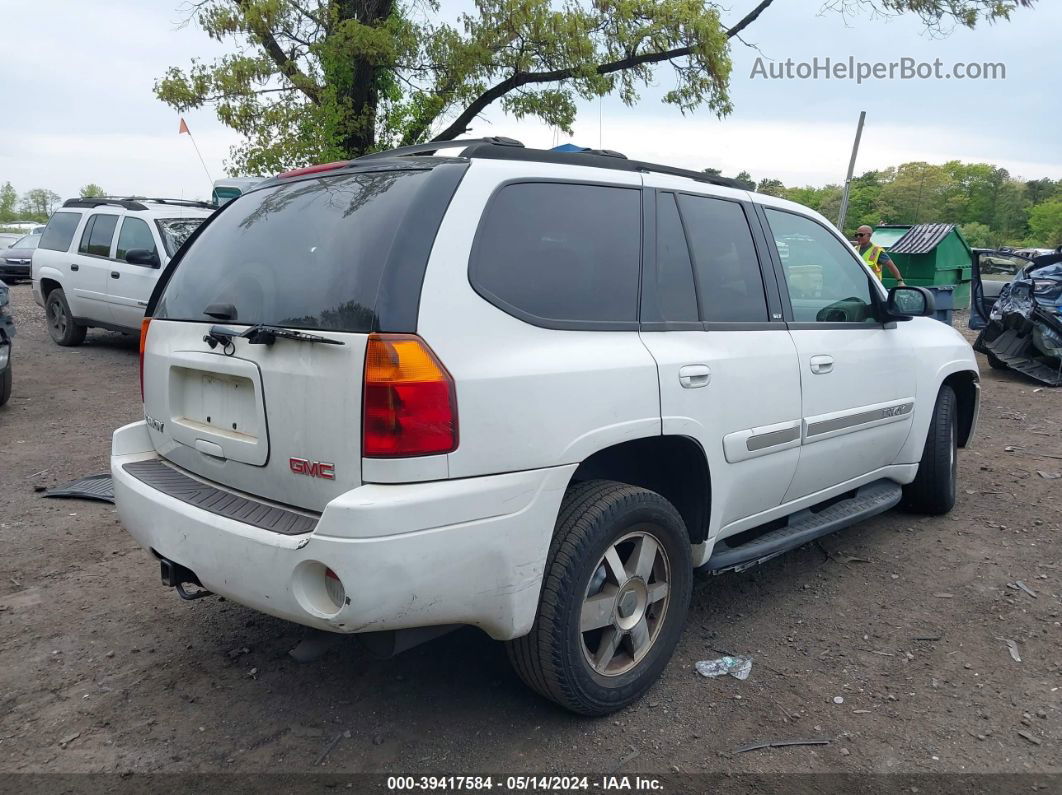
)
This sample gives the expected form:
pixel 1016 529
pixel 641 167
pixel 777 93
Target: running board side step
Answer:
pixel 804 526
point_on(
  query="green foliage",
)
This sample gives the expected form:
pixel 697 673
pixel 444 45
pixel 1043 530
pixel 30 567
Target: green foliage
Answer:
pixel 91 191
pixel 8 201
pixel 1045 224
pixel 978 235
pixel 992 207
pixel 317 80
pixel 38 204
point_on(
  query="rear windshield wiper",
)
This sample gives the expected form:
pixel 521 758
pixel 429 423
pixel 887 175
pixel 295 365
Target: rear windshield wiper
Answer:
pixel 263 334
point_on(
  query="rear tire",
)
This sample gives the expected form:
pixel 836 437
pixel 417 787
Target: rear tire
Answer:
pixel 614 599
pixel 61 325
pixel 933 489
pixel 5 384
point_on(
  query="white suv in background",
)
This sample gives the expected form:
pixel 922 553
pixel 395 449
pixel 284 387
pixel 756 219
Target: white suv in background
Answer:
pixel 98 260
pixel 526 391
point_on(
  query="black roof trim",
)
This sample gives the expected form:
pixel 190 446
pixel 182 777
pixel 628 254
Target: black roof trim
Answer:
pixel 593 159
pixel 135 202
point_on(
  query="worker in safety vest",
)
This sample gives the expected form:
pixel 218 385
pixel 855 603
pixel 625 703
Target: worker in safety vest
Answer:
pixel 875 256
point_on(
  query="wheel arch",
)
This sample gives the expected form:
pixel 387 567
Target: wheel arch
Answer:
pixel 48 286
pixel 967 387
pixel 673 466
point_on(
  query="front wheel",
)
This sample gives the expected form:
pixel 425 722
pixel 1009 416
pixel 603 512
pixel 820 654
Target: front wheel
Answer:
pixel 614 599
pixel 933 489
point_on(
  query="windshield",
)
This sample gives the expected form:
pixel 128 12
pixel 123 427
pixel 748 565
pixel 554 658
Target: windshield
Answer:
pixel 176 230
pixel 29 241
pixel 304 254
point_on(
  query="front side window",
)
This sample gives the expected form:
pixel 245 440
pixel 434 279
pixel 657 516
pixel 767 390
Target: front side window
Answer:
pixel 98 234
pixel 135 234
pixel 562 253
pixel 825 281
pixel 729 282
pixel 59 233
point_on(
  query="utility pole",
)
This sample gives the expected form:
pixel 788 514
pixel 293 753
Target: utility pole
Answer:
pixel 851 169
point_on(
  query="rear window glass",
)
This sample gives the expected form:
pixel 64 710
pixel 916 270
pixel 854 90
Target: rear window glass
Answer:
pixel 305 254
pixel 60 231
pixel 564 253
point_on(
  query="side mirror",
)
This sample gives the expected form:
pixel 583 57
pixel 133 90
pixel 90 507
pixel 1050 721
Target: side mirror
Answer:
pixel 142 256
pixel 907 302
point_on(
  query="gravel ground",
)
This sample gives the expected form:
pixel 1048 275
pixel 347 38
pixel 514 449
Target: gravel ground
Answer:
pixel 904 618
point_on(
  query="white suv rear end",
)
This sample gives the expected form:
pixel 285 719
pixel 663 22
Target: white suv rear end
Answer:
pixel 523 391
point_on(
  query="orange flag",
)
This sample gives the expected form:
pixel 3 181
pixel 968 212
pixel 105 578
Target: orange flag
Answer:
pixel 183 128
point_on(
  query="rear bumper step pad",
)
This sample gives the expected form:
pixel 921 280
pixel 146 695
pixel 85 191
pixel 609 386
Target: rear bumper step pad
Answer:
pixel 174 483
pixel 805 526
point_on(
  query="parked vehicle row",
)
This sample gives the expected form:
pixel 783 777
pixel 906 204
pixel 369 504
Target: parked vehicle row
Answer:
pixel 97 261
pixel 521 390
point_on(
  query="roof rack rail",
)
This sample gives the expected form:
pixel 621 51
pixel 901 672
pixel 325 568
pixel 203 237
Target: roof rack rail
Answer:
pixel 435 146
pixel 594 158
pixel 134 202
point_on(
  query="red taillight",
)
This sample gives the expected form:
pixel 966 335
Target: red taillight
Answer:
pixel 143 343
pixel 298 172
pixel 410 406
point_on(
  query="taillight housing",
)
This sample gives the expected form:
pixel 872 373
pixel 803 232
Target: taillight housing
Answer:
pixel 410 404
pixel 143 343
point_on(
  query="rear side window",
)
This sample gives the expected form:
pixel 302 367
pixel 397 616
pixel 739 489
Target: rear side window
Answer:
pixel 59 232
pixel 561 254
pixel 729 283
pixel 98 234
pixel 135 234
pixel 303 254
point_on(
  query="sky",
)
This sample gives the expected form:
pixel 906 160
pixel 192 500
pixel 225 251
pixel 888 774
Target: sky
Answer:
pixel 78 80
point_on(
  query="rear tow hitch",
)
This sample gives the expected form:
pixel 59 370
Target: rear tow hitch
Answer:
pixel 174 575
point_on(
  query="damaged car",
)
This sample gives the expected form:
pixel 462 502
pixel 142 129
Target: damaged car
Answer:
pixel 1023 327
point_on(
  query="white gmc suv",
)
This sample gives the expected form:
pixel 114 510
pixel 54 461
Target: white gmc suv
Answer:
pixel 98 260
pixel 527 391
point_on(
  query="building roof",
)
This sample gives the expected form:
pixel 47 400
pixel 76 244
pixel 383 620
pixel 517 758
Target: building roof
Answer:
pixel 921 239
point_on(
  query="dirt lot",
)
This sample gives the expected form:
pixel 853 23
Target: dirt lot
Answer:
pixel 102 669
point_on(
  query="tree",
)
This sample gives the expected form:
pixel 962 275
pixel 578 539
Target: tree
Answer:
pixel 324 79
pixel 978 235
pixel 8 200
pixel 39 203
pixel 772 187
pixel 91 191
pixel 1045 224
pixel 746 180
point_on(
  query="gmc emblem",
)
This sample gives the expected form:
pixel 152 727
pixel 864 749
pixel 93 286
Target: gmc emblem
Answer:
pixel 315 469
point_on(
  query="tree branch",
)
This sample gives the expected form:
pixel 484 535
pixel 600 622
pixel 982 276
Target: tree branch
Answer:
pixel 286 65
pixel 519 79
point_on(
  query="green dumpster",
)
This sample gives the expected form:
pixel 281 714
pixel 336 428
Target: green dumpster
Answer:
pixel 930 255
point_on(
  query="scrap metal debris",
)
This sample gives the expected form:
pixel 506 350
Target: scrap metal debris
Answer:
pixel 1013 647
pixel 737 667
pixel 1024 330
pixel 94 487
pixel 780 744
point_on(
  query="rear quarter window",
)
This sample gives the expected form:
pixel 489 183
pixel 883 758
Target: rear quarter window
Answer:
pixel 561 255
pixel 59 233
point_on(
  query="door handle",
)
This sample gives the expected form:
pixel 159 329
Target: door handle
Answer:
pixel 115 274
pixel 74 267
pixel 694 376
pixel 820 365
